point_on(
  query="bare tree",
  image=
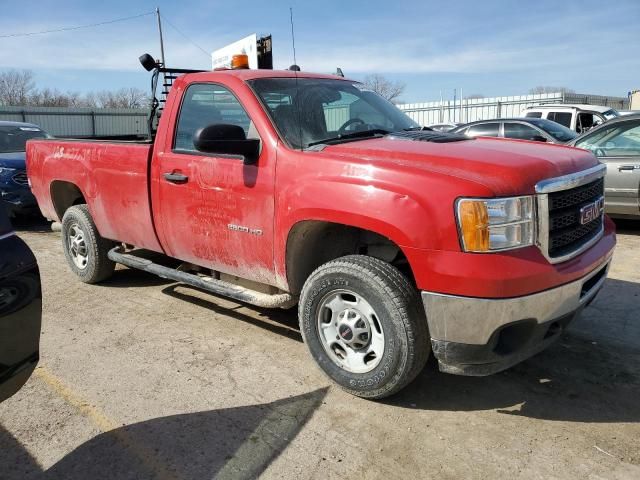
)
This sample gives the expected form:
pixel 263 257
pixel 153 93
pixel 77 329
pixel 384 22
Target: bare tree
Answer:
pixel 15 87
pixel 123 98
pixel 48 97
pixel 549 89
pixel 386 88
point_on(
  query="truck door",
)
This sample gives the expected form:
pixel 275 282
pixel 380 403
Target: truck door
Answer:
pixel 213 210
pixel 618 146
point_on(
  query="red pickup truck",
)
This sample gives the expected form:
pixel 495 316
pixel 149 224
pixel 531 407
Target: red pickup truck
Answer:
pixel 282 187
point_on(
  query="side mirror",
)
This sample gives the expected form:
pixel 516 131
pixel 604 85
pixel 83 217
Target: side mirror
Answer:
pixel 538 138
pixel 227 139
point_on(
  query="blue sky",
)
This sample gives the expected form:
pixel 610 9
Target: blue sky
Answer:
pixel 499 47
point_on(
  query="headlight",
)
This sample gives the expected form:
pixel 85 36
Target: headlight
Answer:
pixel 488 225
pixel 6 171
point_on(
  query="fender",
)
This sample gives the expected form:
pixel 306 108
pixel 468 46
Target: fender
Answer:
pixel 385 209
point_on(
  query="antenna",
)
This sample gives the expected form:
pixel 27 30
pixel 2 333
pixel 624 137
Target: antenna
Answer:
pixel 295 69
pixel 293 37
pixel 161 41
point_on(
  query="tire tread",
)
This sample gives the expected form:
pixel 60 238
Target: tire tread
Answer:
pixel 405 298
pixel 102 267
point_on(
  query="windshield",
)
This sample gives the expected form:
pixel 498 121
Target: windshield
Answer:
pixel 308 111
pixel 557 131
pixel 13 138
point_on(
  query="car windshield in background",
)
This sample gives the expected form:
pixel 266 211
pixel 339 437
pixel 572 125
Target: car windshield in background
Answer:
pixel 308 111
pixel 609 114
pixel 14 138
pixel 557 131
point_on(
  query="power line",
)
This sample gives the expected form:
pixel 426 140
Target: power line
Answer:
pixel 78 27
pixel 208 54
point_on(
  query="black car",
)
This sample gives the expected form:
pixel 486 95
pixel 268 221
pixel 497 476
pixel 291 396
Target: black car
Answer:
pixel 15 193
pixel 534 129
pixel 20 310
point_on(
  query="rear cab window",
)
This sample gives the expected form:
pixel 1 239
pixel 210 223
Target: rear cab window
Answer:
pixel 534 115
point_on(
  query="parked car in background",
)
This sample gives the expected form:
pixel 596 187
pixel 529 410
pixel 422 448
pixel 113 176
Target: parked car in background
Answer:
pixel 617 145
pixel 443 127
pixel 533 129
pixel 15 193
pixel 579 118
pixel 628 112
pixel 20 310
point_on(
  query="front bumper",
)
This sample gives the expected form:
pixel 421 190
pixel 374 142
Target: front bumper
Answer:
pixel 481 336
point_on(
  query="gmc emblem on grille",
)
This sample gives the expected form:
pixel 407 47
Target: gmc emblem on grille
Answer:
pixel 590 212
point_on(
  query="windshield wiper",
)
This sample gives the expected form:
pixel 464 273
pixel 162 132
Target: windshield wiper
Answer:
pixel 350 136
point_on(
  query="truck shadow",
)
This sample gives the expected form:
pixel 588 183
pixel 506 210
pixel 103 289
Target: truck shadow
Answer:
pixel 31 223
pixel 125 277
pixel 282 322
pixel 238 442
pixel 591 375
pixel 627 227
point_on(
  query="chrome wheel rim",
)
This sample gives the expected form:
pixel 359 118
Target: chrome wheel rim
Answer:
pixel 77 246
pixel 350 331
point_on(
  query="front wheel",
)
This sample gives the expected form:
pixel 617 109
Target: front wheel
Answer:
pixel 85 250
pixel 362 322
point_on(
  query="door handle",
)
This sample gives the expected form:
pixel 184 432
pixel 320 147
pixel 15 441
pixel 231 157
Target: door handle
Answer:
pixel 628 168
pixel 176 178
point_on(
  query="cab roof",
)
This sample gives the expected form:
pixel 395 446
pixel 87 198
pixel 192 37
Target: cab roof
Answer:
pixel 252 74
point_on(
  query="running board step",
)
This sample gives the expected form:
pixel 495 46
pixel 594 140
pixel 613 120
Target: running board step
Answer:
pixel 218 287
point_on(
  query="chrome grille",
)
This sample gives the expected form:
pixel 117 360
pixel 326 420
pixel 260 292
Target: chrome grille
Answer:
pixel 561 235
pixel 566 233
pixel 575 196
pixel 21 178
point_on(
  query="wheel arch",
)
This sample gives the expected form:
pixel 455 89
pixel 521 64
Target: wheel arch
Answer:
pixel 64 195
pixel 311 243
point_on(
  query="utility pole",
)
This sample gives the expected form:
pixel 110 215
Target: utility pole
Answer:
pixel 161 41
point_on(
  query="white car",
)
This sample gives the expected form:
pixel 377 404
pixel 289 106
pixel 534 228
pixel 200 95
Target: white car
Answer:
pixel 578 118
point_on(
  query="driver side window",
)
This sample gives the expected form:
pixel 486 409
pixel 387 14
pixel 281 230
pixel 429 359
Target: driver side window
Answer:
pixel 208 104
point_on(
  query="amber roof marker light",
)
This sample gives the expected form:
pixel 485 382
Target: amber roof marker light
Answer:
pixel 239 61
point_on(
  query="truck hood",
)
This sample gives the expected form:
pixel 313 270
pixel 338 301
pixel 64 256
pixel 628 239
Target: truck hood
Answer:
pixel 506 167
pixel 13 160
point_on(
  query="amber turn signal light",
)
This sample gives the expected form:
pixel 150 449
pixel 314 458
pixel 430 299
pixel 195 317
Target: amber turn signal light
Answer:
pixel 474 225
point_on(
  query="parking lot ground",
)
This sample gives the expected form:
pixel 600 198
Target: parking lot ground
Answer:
pixel 144 378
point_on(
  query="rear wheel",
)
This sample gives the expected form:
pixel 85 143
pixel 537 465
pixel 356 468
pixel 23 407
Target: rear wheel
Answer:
pixel 362 322
pixel 85 250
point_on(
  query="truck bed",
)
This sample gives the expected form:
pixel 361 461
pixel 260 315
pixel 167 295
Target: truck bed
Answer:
pixel 111 176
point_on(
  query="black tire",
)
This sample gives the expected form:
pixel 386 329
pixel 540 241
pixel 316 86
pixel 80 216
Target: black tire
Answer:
pixel 98 266
pixel 399 313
